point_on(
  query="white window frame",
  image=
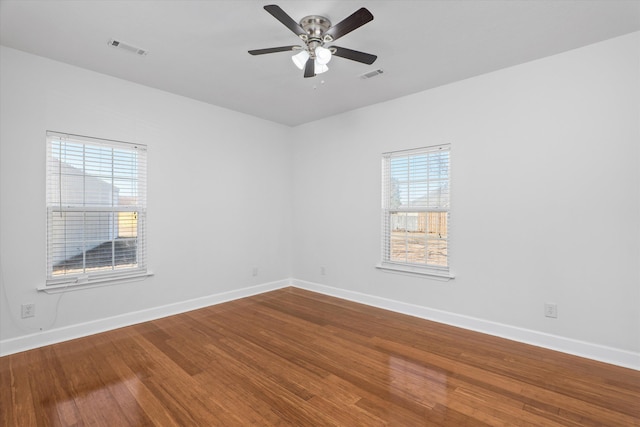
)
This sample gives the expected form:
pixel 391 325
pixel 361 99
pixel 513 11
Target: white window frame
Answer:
pixel 81 201
pixel 397 199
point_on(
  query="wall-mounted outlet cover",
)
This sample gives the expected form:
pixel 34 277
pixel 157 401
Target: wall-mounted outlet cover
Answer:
pixel 551 310
pixel 28 310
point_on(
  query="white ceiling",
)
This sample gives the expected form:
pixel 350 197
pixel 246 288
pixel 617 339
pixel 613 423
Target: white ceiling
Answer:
pixel 199 48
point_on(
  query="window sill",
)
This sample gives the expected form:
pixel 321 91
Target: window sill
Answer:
pixel 416 271
pixel 105 281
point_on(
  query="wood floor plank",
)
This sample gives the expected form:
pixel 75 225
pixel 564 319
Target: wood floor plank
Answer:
pixel 17 406
pixel 294 357
pixel 173 386
pixel 53 399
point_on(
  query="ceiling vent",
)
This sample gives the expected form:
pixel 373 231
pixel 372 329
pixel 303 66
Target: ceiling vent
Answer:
pixel 127 47
pixel 371 74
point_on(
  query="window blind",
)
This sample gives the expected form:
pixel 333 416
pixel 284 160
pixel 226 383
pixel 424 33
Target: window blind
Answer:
pixel 415 208
pixel 96 209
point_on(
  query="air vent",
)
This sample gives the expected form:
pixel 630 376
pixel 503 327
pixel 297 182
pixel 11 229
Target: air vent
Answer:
pixel 371 74
pixel 127 47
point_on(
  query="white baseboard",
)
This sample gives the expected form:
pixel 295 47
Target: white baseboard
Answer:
pixel 598 352
pixel 53 336
pixel 601 353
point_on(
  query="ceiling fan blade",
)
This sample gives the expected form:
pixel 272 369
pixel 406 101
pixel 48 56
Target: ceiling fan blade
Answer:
pixel 354 21
pixel 282 16
pixel 272 50
pixel 310 68
pixel 354 55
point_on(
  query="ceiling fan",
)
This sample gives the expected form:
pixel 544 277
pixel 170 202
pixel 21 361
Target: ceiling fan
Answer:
pixel 315 31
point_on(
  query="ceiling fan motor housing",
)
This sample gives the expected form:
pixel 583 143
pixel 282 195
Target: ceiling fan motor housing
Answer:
pixel 315 26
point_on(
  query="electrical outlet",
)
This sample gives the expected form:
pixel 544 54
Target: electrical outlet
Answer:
pixel 323 271
pixel 551 310
pixel 28 310
pixel 255 271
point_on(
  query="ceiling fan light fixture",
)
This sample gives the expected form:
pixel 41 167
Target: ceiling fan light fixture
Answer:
pixel 300 59
pixel 323 55
pixel 320 68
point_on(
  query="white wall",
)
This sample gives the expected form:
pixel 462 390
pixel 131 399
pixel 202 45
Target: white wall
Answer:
pixel 545 197
pixel 545 208
pixel 219 197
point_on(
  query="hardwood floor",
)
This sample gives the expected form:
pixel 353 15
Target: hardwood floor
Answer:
pixel 293 357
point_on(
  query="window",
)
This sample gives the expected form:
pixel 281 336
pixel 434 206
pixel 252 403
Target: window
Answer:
pixel 415 210
pixel 96 209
